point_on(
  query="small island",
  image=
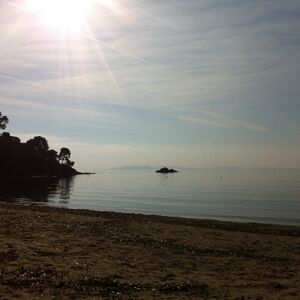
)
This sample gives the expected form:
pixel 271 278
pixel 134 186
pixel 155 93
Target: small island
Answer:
pixel 32 158
pixel 166 170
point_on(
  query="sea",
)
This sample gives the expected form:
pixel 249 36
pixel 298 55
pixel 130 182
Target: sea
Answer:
pixel 230 194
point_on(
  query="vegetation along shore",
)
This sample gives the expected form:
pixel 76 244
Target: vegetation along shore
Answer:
pixel 32 158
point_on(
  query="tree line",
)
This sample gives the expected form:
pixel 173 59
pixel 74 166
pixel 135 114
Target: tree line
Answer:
pixel 33 157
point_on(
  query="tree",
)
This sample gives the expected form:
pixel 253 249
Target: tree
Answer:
pixel 39 144
pixel 64 157
pixel 70 163
pixel 3 121
pixel 52 155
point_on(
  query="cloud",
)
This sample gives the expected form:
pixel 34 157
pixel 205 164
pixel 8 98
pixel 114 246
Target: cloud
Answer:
pixel 58 109
pixel 214 119
pixel 53 140
pixel 198 121
pixel 211 52
pixel 160 64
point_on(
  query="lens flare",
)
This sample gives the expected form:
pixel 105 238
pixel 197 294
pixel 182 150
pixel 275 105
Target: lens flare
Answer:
pixel 65 15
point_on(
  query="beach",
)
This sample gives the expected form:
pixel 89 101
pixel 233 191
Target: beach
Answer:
pixel 57 253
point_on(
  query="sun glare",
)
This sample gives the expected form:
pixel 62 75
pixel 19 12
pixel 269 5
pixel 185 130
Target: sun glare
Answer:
pixel 64 15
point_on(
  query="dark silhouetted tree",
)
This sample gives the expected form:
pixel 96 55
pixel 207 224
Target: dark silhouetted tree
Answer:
pixel 39 144
pixel 3 121
pixel 33 158
pixel 64 157
pixel 70 163
pixel 52 155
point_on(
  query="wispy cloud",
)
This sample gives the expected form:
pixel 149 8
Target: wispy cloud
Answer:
pixel 148 70
pixel 214 119
pixel 58 109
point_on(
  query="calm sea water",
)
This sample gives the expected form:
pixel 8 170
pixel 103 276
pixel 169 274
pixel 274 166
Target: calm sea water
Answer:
pixel 250 195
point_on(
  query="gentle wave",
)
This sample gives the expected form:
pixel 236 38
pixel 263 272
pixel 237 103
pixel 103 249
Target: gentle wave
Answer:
pixel 235 195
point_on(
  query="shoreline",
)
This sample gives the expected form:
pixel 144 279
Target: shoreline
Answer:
pixel 224 219
pixel 30 177
pixel 63 253
pixel 187 220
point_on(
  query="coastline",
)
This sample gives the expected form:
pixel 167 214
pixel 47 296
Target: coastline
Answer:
pixel 28 177
pixel 62 253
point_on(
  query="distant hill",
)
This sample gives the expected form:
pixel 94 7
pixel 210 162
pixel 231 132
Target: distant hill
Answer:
pixel 133 167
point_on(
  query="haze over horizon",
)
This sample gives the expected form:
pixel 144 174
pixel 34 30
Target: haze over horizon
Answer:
pixel 179 83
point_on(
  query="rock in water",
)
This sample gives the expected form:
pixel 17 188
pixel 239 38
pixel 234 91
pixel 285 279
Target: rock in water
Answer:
pixel 166 170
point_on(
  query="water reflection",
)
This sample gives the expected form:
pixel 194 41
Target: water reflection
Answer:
pixel 36 189
pixel 65 186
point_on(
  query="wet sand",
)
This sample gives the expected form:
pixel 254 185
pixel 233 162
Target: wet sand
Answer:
pixel 50 253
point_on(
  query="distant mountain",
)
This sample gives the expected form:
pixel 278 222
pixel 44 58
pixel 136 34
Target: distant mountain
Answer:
pixel 133 167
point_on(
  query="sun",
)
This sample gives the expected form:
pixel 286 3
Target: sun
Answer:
pixel 64 15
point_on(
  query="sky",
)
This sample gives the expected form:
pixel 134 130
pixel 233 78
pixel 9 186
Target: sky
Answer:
pixel 195 83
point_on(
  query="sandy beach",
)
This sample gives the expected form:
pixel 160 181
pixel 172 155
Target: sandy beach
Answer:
pixel 51 253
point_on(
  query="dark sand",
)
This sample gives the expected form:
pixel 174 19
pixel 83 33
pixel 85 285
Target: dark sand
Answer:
pixel 49 253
